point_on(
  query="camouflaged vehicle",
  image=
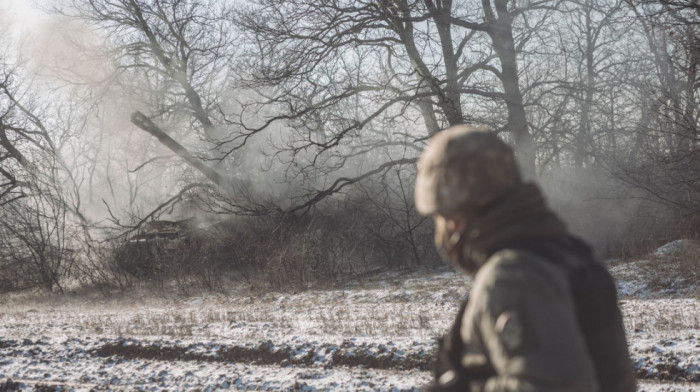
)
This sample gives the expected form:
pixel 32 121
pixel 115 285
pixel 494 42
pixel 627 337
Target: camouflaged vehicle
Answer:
pixel 145 254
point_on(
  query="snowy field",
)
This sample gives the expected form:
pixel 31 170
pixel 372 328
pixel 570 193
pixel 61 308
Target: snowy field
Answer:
pixel 378 335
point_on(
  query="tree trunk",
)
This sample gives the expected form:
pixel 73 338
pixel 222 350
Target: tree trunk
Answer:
pixel 584 129
pixel 500 29
pixel 450 97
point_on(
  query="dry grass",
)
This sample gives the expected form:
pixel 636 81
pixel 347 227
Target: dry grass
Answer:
pixel 385 324
pixel 658 318
pixel 410 308
pixel 674 272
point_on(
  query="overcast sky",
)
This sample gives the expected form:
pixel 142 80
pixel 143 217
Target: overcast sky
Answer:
pixel 20 15
pixel 19 18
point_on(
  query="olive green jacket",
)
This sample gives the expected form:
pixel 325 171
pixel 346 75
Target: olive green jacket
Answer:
pixel 520 329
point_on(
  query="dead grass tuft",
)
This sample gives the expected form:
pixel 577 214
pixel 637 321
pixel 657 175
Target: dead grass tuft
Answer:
pixel 675 273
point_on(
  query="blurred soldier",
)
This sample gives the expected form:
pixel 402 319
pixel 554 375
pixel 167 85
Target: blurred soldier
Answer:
pixel 542 313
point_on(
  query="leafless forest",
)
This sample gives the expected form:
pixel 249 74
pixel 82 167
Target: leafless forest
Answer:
pixel 273 142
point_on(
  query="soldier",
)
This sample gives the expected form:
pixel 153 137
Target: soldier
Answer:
pixel 542 313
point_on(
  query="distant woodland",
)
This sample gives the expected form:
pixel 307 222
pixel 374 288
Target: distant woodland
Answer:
pixel 273 143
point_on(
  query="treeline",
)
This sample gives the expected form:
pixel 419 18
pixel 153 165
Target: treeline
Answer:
pixel 296 126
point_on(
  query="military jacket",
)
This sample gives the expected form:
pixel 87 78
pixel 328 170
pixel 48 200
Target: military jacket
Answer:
pixel 520 330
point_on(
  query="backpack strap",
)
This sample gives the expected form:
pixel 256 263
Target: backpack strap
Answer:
pixel 598 315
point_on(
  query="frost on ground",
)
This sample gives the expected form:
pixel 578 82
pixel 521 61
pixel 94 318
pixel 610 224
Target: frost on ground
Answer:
pixel 377 336
pixel 671 271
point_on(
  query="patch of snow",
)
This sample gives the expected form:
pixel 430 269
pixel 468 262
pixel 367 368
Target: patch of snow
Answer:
pixel 675 248
pixel 630 280
pixel 374 337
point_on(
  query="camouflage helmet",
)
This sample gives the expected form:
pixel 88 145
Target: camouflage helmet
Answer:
pixel 464 167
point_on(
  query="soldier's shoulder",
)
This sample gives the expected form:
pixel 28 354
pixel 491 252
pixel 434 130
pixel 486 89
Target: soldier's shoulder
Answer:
pixel 521 270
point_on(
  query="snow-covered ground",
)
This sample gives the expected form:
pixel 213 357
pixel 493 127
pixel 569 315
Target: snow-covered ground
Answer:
pixel 378 335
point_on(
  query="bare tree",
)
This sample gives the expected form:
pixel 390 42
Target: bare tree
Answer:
pixel 179 51
pixel 37 235
pixel 41 215
pixel 595 25
pixel 398 63
pixel 664 161
pixel 176 57
pixel 23 126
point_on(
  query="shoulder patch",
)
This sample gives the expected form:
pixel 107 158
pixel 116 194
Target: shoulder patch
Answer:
pixel 511 331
